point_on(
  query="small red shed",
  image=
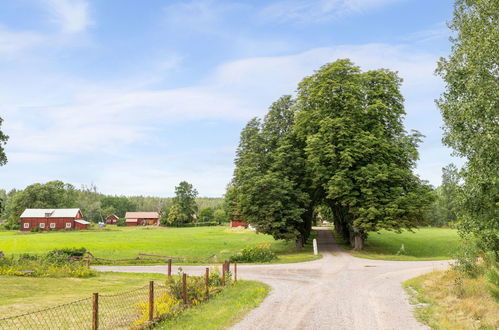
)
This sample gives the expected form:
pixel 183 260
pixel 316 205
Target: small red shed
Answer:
pixel 237 223
pixel 112 219
pixel 141 218
pixel 52 219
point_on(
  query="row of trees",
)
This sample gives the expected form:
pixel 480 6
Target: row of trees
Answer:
pixel 96 206
pixel 340 144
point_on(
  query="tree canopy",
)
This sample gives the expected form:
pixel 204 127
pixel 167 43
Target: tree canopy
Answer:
pixel 184 208
pixel 340 143
pixel 469 107
pixel 3 141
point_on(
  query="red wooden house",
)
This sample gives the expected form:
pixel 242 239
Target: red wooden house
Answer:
pixel 112 219
pixel 52 219
pixel 141 218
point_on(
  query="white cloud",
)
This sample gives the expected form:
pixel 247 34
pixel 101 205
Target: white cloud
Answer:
pixel 317 11
pixel 72 15
pixel 111 119
pixel 14 42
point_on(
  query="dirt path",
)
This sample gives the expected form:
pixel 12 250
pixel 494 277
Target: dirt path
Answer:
pixel 336 292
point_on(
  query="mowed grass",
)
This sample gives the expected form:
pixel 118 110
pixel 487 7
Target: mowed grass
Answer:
pixel 195 244
pixel 223 310
pixel 24 294
pixel 422 244
pixel 445 300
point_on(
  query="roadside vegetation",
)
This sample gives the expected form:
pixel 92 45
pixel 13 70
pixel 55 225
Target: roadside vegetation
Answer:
pixel 449 300
pixel 195 245
pixel 421 244
pixel 223 310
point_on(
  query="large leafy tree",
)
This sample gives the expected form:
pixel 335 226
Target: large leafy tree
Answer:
pixel 358 153
pixel 470 110
pixel 264 190
pixel 184 206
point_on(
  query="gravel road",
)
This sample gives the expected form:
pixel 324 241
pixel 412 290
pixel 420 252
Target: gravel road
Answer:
pixel 336 292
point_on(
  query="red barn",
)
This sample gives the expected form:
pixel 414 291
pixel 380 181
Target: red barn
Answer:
pixel 237 223
pixel 141 218
pixel 112 219
pixel 52 219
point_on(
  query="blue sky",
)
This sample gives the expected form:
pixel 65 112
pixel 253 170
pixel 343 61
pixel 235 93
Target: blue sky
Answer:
pixel 135 96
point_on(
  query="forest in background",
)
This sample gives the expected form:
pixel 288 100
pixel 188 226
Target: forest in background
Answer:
pixel 94 205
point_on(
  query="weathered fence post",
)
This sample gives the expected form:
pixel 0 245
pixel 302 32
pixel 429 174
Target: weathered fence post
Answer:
pixel 169 267
pixel 207 282
pixel 87 261
pixel 235 272
pixel 95 311
pixel 151 300
pixel 223 273
pixel 314 242
pixel 184 288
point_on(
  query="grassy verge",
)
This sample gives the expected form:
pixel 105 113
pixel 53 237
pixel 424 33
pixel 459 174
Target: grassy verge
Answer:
pixel 447 301
pixel 22 294
pixel 422 244
pixel 223 310
pixel 194 244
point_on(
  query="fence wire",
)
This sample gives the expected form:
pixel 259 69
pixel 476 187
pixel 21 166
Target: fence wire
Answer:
pixel 121 310
pixel 73 315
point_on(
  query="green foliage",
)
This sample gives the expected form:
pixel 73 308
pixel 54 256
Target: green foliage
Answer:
pixel 53 194
pixel 184 206
pixel 469 110
pixel 206 214
pixel 254 254
pixel 220 216
pixel 57 263
pixel 3 140
pixel 444 208
pixel 121 222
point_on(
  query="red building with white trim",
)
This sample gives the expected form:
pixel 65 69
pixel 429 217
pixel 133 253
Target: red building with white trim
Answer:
pixel 112 219
pixel 52 219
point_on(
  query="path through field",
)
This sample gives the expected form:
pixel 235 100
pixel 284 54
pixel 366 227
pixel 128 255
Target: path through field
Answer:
pixel 336 292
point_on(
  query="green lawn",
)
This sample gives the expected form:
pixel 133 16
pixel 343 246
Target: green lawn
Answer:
pixel 223 310
pixel 20 295
pixel 422 244
pixel 24 294
pixel 195 244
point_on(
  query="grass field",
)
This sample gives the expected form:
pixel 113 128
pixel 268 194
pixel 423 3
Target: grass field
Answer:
pixel 194 244
pixel 445 300
pixel 23 294
pixel 223 310
pixel 422 244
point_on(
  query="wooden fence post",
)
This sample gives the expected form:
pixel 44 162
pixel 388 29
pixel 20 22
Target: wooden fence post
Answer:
pixel 207 282
pixel 169 267
pixel 223 274
pixel 151 300
pixel 235 272
pixel 184 288
pixel 95 311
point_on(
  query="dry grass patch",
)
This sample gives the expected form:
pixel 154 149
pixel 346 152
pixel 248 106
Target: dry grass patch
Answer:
pixel 446 300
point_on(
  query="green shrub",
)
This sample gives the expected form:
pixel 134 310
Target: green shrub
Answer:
pixel 254 254
pixel 53 264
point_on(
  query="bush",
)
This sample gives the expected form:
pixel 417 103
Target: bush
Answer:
pixel 121 222
pixel 254 254
pixel 53 264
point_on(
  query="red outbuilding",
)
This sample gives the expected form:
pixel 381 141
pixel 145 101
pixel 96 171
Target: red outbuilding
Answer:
pixel 52 219
pixel 141 218
pixel 112 219
pixel 236 223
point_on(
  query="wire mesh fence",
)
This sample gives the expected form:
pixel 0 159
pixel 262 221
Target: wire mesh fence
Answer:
pixel 132 309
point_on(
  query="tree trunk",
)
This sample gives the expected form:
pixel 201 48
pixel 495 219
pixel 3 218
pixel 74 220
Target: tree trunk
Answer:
pixel 358 242
pixel 299 243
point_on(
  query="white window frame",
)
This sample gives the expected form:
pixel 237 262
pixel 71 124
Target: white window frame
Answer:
pixel 41 225
pixel 52 225
pixel 68 224
pixel 26 225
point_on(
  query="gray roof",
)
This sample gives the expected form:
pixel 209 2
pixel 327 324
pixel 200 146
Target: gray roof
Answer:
pixel 53 213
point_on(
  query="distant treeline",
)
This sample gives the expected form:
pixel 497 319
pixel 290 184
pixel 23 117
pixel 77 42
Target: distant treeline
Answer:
pixel 95 206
